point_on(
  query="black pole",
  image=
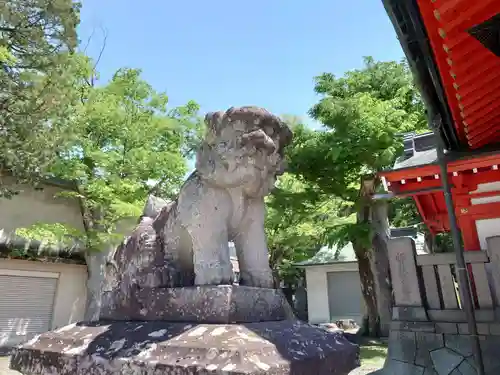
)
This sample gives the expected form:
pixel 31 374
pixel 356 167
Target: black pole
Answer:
pixel 461 268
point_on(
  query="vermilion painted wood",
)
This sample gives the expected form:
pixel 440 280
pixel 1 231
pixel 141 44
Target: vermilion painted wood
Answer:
pixel 421 184
pixel 469 72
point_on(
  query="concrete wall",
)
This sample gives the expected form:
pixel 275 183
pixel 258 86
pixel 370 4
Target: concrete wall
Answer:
pixel 41 205
pixel 317 294
pixel 32 206
pixel 69 304
pixel 318 291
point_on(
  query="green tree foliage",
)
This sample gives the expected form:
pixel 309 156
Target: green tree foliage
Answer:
pixel 363 114
pixel 37 38
pixel 297 225
pixel 121 142
pixel 299 220
pixel 124 144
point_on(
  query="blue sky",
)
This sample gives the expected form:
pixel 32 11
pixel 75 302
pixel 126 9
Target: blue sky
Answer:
pixel 225 53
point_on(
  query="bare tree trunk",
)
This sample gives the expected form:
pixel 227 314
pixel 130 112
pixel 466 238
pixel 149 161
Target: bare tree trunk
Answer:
pixel 367 289
pixel 380 265
pixel 96 263
pixel 362 252
pixel 429 241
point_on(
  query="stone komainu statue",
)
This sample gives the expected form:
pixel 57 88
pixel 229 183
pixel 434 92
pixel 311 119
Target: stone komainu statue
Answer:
pixel 186 244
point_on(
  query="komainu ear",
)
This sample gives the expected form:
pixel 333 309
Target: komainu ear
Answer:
pixel 213 121
pixel 259 139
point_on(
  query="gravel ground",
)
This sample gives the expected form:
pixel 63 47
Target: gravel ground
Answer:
pixel 364 370
pixel 4 367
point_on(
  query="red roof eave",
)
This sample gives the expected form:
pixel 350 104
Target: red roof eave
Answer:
pixel 470 72
pixel 429 170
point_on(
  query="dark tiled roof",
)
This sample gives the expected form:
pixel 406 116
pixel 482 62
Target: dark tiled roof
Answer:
pixel 332 255
pixel 418 159
pixel 13 246
pixel 419 149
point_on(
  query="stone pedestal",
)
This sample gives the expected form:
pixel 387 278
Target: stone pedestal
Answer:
pixel 202 304
pixel 432 348
pixel 226 330
pixel 156 347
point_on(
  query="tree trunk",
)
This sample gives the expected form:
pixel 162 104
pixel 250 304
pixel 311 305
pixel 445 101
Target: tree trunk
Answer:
pixel 429 241
pixel 363 255
pixel 96 263
pixel 368 290
pixel 380 265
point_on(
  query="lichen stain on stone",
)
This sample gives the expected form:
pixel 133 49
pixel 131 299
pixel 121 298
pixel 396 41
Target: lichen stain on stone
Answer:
pixel 218 331
pixel 212 367
pixel 197 332
pixel 160 333
pixel 117 345
pixel 259 363
pixel 32 341
pixel 66 328
pixel 147 353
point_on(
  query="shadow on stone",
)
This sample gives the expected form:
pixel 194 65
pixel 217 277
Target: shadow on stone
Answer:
pixel 280 347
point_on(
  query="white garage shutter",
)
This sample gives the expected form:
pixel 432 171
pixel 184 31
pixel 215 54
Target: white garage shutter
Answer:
pixel 26 305
pixel 344 296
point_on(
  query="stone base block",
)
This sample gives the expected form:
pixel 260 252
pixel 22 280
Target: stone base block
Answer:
pixel 426 353
pixel 203 304
pixel 155 347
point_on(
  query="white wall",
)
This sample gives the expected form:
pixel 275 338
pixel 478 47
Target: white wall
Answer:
pixel 317 294
pixel 487 227
pixel 69 303
pixel 317 289
pixel 31 206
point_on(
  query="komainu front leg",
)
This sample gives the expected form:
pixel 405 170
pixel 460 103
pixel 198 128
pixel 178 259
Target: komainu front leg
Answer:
pixel 251 248
pixel 212 264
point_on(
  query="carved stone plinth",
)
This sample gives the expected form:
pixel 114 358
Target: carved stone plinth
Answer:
pixel 157 347
pixel 202 304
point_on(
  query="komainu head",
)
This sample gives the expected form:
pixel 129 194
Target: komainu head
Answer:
pixel 243 148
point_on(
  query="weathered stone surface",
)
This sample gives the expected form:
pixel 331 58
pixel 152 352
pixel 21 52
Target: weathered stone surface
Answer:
pixel 154 347
pixel 427 342
pixel 493 371
pixel 186 243
pixel 168 298
pixel 394 367
pixel 445 360
pixel 402 346
pixel 428 353
pixel 482 328
pixel 402 260
pixel 414 326
pixel 153 206
pixel 447 350
pixel 461 344
pixel 205 304
pixel 491 357
pixel 443 327
pixel 466 368
pixel 410 314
